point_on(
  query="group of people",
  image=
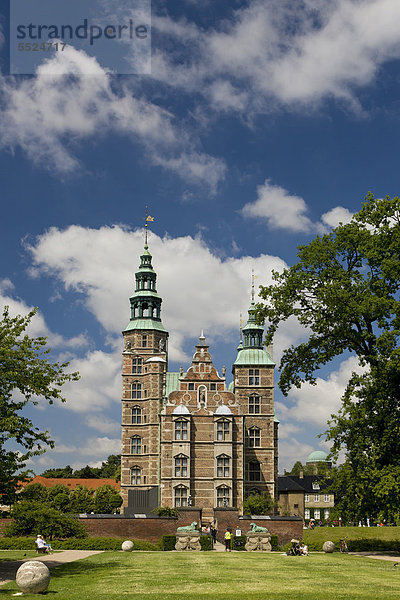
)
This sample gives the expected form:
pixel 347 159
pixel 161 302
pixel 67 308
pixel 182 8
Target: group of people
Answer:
pixel 42 545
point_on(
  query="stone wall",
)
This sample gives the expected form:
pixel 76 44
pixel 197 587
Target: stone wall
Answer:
pixel 285 528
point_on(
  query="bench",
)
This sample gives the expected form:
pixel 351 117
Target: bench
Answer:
pixel 40 550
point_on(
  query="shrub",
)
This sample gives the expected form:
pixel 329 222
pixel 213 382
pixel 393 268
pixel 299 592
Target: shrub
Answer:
pixel 166 511
pixel 259 504
pixel 206 542
pixel 274 542
pixel 168 542
pixel 97 543
pixel 239 542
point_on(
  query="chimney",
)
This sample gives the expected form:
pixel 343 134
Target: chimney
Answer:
pixel 301 474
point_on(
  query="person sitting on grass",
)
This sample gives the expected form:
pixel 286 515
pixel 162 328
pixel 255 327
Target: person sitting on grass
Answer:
pixel 304 549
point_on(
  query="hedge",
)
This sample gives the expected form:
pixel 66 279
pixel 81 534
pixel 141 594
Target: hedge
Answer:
pixel 168 542
pixel 95 543
pixel 206 542
pixel 239 542
pixel 274 542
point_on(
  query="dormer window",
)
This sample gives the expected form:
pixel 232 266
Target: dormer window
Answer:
pixel 315 485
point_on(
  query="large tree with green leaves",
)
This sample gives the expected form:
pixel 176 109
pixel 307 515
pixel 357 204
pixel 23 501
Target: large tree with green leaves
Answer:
pixel 26 375
pixel 344 290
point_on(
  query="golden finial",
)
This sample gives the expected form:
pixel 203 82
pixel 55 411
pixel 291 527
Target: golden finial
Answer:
pixel 148 218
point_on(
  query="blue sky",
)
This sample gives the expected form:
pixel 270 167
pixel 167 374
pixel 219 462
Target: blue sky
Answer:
pixel 261 125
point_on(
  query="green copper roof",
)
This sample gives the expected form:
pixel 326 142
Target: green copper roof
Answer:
pixel 171 383
pixel 275 417
pixel 144 324
pixel 317 456
pixel 253 356
pixel 231 386
pixel 145 294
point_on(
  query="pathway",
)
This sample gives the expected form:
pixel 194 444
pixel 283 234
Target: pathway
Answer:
pixel 8 569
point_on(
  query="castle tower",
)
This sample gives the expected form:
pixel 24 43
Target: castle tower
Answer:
pixel 144 366
pixel 253 385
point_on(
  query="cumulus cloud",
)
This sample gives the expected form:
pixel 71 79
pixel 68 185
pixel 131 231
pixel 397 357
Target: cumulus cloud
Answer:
pixel 199 289
pixel 337 215
pixel 267 55
pixel 37 326
pixel 283 210
pixel 314 404
pixel 72 99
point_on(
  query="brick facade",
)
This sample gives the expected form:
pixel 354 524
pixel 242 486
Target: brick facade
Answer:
pixel 194 439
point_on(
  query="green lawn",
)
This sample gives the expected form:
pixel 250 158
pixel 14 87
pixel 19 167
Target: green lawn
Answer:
pixel 16 554
pixel 322 534
pixel 231 576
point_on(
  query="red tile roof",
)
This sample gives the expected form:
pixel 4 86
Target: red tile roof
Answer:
pixel 72 483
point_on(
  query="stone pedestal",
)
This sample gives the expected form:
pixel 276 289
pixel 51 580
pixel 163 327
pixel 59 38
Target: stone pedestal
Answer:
pixel 258 541
pixel 187 540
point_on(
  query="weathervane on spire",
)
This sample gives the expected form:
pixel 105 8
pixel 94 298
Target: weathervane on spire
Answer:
pixel 241 322
pixel 252 286
pixel 148 218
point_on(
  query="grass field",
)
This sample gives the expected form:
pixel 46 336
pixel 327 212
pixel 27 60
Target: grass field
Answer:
pixel 322 534
pixel 232 576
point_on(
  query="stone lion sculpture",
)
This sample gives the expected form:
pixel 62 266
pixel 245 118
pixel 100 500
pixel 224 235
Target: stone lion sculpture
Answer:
pixel 191 527
pixel 257 529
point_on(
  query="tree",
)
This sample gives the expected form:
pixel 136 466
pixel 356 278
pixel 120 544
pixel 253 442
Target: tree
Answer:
pixel 81 500
pixel 33 517
pixel 106 500
pixel 26 374
pixel 59 473
pixel 345 290
pixel 259 504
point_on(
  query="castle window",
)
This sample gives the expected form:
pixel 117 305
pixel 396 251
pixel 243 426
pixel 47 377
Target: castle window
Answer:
pixel 181 465
pixel 136 415
pixel 254 376
pixel 181 430
pixel 213 386
pixel 223 466
pixel 136 476
pixel 254 471
pixel 223 496
pixel 144 340
pixel 190 386
pixel 254 405
pixel 222 431
pixel 254 437
pixel 136 445
pixel 136 365
pixel 181 496
pixel 136 390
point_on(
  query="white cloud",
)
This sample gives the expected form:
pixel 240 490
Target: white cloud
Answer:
pixel 101 447
pixel 102 423
pixel 37 326
pixel 337 215
pixel 282 210
pixel 314 404
pixel 281 53
pixel 290 451
pixel 72 99
pixel 99 386
pixel 199 290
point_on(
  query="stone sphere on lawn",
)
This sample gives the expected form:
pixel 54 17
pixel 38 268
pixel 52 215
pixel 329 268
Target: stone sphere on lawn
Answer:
pixel 328 547
pixel 33 577
pixel 127 546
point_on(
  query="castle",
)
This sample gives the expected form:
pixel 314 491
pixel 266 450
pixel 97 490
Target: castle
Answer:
pixel 188 439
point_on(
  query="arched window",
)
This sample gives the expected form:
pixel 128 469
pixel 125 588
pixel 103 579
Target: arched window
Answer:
pixel 254 471
pixel 223 431
pixel 181 430
pixel 181 495
pixel 136 445
pixel 181 465
pixel 136 476
pixel 254 437
pixel 254 405
pixel 223 496
pixel 223 466
pixel 137 365
pixel 136 415
pixel 136 390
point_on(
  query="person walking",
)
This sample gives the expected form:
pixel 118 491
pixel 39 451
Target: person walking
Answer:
pixel 228 540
